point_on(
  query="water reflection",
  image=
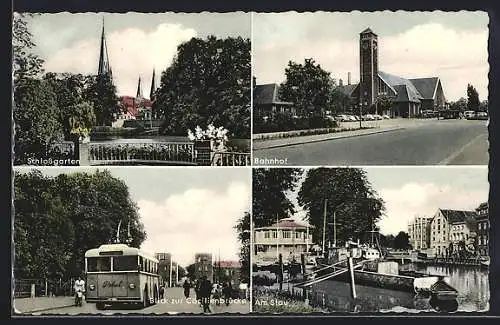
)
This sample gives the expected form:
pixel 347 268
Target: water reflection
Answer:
pixel 471 284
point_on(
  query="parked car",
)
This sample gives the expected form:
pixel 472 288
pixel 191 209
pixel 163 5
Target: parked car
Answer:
pixel 377 117
pixel 469 114
pixel 342 118
pixel 386 117
pixel 352 118
pixel 368 117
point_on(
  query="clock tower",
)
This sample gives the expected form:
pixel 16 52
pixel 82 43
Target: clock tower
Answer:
pixel 368 67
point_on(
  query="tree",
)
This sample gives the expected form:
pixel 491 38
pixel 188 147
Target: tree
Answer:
pixel 308 86
pixel 58 218
pixel 76 115
pixel 208 83
pixel 269 189
pixel 243 229
pixel 191 270
pixel 340 102
pixel 35 115
pixel 383 103
pixel 101 94
pixel 459 105
pixel 483 107
pixel 472 99
pixel 402 241
pixel 26 64
pixel 348 194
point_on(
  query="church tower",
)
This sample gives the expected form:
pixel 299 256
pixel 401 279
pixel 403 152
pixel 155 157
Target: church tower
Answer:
pixel 104 66
pixel 368 69
pixel 139 95
pixel 153 87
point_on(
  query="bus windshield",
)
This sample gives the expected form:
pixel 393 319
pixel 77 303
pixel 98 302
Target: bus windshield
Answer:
pixel 125 263
pixel 98 264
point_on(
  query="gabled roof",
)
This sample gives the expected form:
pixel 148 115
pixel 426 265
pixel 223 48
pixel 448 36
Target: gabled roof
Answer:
pixel 460 216
pixel 426 86
pixel 368 31
pixel 392 81
pixel 268 94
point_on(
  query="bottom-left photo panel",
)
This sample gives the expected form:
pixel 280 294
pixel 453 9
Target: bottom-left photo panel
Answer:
pixel 131 240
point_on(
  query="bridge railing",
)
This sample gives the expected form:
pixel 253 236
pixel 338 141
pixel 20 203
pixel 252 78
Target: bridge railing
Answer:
pixel 167 153
pixel 231 159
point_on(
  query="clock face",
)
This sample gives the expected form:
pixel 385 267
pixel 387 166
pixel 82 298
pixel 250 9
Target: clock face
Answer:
pixel 365 45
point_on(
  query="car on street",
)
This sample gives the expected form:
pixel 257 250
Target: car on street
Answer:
pixel 368 117
pixel 377 117
pixel 352 118
pixel 386 117
pixel 469 114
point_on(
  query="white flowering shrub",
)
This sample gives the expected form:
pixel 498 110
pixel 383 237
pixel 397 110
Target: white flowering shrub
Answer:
pixel 217 135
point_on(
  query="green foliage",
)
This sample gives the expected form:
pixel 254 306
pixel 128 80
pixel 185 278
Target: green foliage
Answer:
pixel 34 112
pixel 58 218
pixel 25 63
pixel 309 87
pixel 472 99
pixel 283 123
pixel 269 188
pixel 402 241
pixel 459 105
pixel 243 230
pixel 208 83
pixel 101 94
pixel 349 194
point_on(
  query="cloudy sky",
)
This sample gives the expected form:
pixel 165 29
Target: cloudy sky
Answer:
pixel 451 45
pixel 412 191
pixel 185 210
pixel 137 42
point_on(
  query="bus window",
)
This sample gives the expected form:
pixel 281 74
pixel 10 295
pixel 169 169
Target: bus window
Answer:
pixel 141 263
pixel 99 264
pixel 124 263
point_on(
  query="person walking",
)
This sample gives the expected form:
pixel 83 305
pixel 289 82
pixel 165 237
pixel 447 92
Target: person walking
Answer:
pixel 226 292
pixel 162 291
pixel 205 292
pixel 187 288
pixel 197 290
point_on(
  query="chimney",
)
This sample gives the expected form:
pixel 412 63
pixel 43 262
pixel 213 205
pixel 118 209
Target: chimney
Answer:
pixel 341 83
pixel 348 78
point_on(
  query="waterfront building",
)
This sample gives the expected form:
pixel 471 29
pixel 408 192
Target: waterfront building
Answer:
pixel 203 266
pixel 483 229
pixel 418 232
pixel 287 237
pixel 449 227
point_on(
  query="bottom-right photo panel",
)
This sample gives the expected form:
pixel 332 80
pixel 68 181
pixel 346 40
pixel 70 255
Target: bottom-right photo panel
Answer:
pixel 375 239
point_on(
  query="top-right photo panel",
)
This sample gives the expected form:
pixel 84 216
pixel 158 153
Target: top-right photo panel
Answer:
pixel 370 88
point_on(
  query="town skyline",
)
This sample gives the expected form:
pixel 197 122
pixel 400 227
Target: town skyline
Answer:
pixel 148 40
pixel 414 45
pixel 195 213
pixel 420 192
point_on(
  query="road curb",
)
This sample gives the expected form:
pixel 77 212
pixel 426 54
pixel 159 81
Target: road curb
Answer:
pixel 327 139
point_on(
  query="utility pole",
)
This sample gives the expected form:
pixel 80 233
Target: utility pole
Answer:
pixel 324 227
pixel 334 229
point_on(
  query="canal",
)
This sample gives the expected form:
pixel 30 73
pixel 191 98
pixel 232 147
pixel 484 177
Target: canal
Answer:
pixel 471 283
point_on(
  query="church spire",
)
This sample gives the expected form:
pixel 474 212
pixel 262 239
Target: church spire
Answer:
pixel 104 66
pixel 153 87
pixel 139 89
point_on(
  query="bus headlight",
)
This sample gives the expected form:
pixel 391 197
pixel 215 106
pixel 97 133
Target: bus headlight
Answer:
pixel 131 286
pixel 91 287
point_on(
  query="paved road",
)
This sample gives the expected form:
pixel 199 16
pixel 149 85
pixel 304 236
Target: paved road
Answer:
pixel 435 142
pixel 175 302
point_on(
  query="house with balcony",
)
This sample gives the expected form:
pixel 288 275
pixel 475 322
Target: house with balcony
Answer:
pixel 288 237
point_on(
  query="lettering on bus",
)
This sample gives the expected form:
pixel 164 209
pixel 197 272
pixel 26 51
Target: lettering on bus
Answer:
pixel 112 284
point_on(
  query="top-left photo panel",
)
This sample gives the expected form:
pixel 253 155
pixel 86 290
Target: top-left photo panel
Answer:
pixel 94 89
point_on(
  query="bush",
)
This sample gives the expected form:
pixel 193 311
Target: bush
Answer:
pixel 283 123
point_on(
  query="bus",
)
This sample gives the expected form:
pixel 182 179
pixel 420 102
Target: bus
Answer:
pixel 117 273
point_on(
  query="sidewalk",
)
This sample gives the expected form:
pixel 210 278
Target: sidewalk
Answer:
pixel 284 142
pixel 32 305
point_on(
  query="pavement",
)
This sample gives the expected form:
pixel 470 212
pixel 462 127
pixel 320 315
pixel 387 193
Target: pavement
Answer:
pixel 38 304
pixel 390 142
pixel 173 303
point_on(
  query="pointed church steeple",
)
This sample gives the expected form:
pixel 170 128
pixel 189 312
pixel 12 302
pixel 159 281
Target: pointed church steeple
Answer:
pixel 153 86
pixel 139 89
pixel 104 66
